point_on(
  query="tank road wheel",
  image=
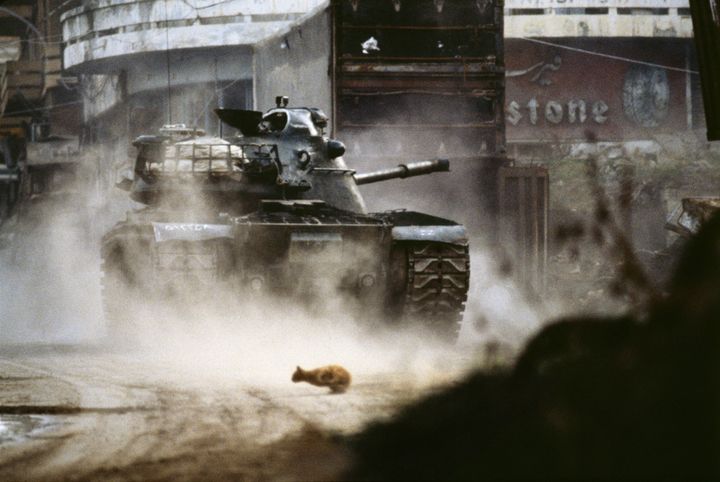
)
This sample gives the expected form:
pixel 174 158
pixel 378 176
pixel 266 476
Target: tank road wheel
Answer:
pixel 438 278
pixel 126 258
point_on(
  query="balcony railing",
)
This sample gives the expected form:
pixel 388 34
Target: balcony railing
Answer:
pixel 639 6
pixel 597 18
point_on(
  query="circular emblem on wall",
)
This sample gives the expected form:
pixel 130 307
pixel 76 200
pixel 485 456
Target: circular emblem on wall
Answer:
pixel 646 94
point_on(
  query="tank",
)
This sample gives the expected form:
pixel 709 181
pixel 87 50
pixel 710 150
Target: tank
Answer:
pixel 275 213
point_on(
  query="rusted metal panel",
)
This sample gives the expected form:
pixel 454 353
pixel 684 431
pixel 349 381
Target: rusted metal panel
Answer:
pixel 523 221
pixel 418 67
pixel 551 98
pixel 451 69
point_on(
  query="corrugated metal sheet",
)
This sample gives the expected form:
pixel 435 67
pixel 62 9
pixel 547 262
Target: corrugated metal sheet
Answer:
pixel 523 202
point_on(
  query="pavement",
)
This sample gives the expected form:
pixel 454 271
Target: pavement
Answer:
pixel 92 411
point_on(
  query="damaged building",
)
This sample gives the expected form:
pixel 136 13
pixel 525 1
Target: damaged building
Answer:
pixel 40 105
pixel 613 80
pixel 625 70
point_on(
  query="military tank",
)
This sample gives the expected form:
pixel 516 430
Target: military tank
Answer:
pixel 277 212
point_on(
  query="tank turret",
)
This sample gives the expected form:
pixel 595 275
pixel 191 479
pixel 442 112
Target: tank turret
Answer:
pixel 282 154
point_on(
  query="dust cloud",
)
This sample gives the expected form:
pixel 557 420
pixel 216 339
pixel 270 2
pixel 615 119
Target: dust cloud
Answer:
pixel 264 342
pixel 49 273
pixel 497 310
pixel 261 338
pixel 50 292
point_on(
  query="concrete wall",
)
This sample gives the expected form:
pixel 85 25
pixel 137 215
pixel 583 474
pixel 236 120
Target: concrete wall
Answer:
pixel 104 30
pixel 191 66
pixel 100 93
pixel 296 63
pixel 200 67
pixel 597 18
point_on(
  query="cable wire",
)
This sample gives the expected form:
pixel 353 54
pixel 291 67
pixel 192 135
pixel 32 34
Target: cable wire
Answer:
pixel 608 56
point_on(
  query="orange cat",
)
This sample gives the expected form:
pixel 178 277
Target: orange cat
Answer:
pixel 333 376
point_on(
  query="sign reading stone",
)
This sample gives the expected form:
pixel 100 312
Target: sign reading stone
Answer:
pixel 572 112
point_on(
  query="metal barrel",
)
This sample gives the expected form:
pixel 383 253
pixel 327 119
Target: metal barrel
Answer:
pixel 403 171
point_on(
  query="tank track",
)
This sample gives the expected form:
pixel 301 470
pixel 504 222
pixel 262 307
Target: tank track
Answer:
pixel 120 286
pixel 438 279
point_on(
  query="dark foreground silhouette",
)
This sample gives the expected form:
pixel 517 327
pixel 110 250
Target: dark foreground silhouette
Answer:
pixel 588 399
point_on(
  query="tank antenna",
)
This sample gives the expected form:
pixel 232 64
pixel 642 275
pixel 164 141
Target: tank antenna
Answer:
pixel 167 63
pixel 218 99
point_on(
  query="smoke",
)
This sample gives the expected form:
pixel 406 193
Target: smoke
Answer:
pixel 49 272
pixel 228 330
pixel 260 338
pixel 51 293
pixel 263 341
pixel 49 256
pixel 497 311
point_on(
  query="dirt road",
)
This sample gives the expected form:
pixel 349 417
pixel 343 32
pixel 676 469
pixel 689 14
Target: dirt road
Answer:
pixel 89 412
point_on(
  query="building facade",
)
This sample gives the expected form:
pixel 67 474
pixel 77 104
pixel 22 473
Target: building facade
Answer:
pixel 33 89
pixel 40 107
pixel 622 72
pixel 615 81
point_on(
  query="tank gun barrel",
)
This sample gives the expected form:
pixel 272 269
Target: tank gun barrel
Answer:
pixel 404 170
